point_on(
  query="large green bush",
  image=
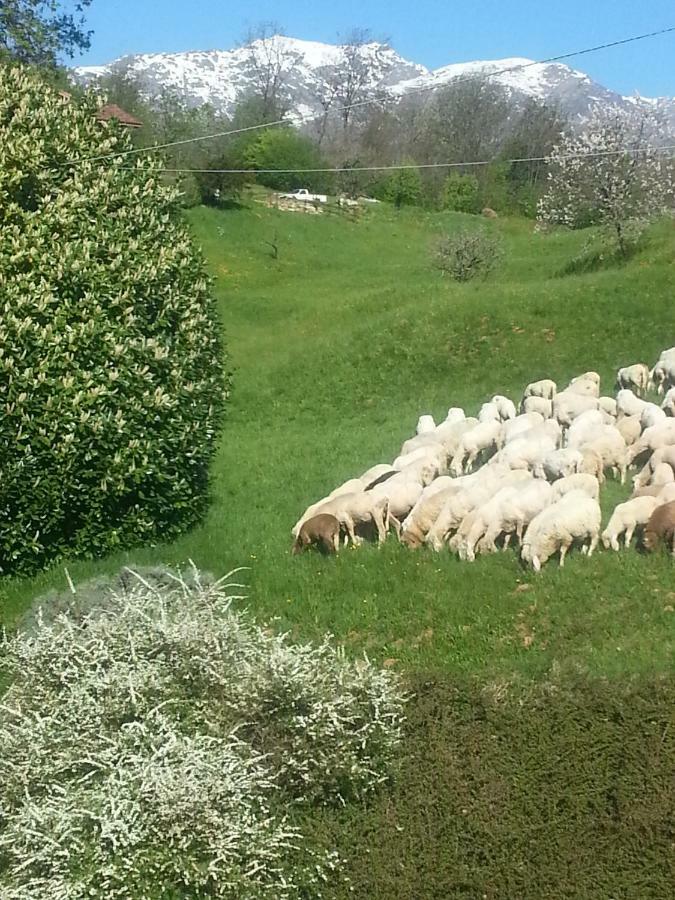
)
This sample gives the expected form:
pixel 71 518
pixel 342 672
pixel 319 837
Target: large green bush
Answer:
pixel 111 364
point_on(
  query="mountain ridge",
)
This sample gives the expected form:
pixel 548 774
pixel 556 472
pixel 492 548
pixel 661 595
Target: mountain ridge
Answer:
pixel 223 77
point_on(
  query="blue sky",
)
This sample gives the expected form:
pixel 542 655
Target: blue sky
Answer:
pixel 431 32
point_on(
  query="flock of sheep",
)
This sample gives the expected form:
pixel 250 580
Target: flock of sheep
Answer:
pixel 473 483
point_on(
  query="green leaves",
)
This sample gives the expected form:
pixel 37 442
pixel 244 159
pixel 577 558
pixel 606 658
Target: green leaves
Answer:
pixel 107 327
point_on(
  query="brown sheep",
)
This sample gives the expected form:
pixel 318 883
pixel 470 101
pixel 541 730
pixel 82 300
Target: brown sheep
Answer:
pixel 661 527
pixel 322 530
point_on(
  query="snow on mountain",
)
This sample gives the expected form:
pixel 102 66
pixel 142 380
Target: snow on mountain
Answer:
pixel 223 77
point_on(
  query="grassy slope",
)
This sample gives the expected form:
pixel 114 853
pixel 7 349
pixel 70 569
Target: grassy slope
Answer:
pixel 337 347
pixel 561 788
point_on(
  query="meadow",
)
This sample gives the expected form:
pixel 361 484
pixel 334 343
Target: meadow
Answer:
pixel 542 720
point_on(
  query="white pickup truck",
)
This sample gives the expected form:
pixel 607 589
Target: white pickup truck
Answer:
pixel 304 194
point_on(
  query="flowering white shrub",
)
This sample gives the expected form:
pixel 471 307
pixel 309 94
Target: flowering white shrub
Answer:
pixel 609 175
pixel 151 745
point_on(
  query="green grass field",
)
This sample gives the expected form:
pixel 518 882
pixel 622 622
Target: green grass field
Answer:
pixel 336 348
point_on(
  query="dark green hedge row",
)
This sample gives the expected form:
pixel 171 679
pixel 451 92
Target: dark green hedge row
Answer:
pixel 563 790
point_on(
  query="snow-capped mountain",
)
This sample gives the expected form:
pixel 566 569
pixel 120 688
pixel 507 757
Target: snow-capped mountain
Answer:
pixel 309 70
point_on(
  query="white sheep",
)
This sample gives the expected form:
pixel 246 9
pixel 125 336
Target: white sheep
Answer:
pixel 575 517
pixel 475 525
pixel 663 474
pixel 432 451
pixel 526 451
pixel 484 437
pixel 559 464
pixel 513 515
pixel 567 406
pixel 651 415
pixel 668 405
pixel 626 518
pixel 353 485
pixel 538 405
pixel 425 424
pixel 460 503
pixel 585 386
pixel 633 377
pixel 589 484
pixel 505 407
pixel 523 422
pixel 489 412
pixel 608 406
pixel 657 458
pixel 424 513
pixel 610 446
pixel 662 376
pixel 427 439
pixel 584 427
pixel 628 404
pixel 630 429
pixel 401 497
pixel 662 435
pixel 544 388
pixel 455 414
pixel 375 472
pixel 356 509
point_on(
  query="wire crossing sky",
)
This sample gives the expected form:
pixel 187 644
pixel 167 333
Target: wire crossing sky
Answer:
pixel 431 32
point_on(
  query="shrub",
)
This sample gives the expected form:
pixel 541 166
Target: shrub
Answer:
pixel 153 741
pixel 460 193
pixel 402 188
pixel 468 254
pixel 285 148
pixel 111 364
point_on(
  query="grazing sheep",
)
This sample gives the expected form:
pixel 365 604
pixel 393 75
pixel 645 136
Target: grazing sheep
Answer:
pixel 663 474
pixel 662 435
pixel 544 388
pixel 593 377
pixel 584 427
pixel 567 406
pixel 651 415
pixel 589 484
pixel 633 377
pixel 559 464
pixel 431 451
pixel 538 405
pixel 353 485
pixel 575 517
pixel 630 429
pixel 513 515
pixel 455 414
pixel 322 530
pixel 662 376
pixel 427 439
pixel 523 422
pixel 481 439
pixel 505 407
pixel 375 474
pixel 626 518
pixel 592 464
pixel 356 509
pixel 668 405
pixel 489 412
pixel 658 457
pixel 423 471
pixel 628 404
pixel 401 497
pixel 611 448
pixel 425 424
pixel 584 386
pixel 608 406
pixel 661 527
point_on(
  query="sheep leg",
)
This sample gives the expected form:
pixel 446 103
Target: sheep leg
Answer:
pixel 348 522
pixel 629 535
pixel 564 547
pixel 336 541
pixel 397 525
pixel 470 461
pixel 381 530
pixel 507 540
pixel 595 537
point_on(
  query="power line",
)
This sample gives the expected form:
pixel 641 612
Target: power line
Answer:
pixel 436 165
pixel 361 103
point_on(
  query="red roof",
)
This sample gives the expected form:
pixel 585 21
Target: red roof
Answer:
pixel 112 111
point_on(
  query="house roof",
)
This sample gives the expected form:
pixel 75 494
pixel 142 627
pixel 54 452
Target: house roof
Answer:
pixel 112 111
